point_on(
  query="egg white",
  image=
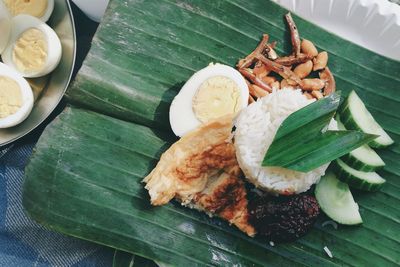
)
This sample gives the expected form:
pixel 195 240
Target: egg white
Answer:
pixel 181 115
pixel 22 23
pixel 49 11
pixel 27 98
pixel 5 18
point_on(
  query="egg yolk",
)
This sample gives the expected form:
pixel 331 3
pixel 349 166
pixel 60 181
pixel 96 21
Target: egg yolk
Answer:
pixel 36 8
pixel 10 97
pixel 216 97
pixel 30 51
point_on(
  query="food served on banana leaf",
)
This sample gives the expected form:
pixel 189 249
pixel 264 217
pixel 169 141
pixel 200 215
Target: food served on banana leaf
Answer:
pixel 212 92
pixel 260 121
pixel 201 171
pixel 265 70
pixel 283 218
pixel 255 141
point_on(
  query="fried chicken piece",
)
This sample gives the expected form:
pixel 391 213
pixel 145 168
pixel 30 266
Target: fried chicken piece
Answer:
pixel 201 171
pixel 226 196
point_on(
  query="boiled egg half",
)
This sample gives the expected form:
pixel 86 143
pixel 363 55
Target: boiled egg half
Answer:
pixel 5 26
pixel 34 49
pixel 210 93
pixel 40 9
pixel 16 97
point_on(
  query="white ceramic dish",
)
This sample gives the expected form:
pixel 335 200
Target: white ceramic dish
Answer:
pixel 373 24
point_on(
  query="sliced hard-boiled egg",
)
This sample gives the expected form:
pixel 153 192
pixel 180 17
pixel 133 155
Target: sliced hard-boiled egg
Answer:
pixel 40 9
pixel 34 49
pixel 210 93
pixel 16 97
pixel 5 26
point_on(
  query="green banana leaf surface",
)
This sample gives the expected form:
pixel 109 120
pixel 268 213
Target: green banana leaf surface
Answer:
pixel 84 178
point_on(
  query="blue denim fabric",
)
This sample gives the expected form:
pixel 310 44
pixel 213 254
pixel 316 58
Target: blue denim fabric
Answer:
pixel 26 243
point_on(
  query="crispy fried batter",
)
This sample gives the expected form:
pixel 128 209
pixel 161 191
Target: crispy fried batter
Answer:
pixel 217 157
pixel 225 196
pixel 201 171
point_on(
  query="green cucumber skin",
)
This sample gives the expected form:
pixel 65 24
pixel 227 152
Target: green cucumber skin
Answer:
pixel 320 193
pixel 359 165
pixel 353 181
pixel 354 161
pixel 350 124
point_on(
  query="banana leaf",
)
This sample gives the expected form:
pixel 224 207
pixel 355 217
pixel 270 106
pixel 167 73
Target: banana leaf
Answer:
pixel 84 178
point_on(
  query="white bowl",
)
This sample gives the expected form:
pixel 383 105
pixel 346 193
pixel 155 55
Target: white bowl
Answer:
pixel 94 9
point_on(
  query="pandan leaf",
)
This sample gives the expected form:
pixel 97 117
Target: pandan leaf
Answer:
pixel 300 143
pixel 313 117
pixel 305 156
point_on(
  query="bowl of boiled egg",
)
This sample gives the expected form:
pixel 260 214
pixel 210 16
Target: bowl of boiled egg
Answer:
pixel 37 48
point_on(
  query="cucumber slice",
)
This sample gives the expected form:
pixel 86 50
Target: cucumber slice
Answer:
pixel 336 200
pixel 369 181
pixel 363 158
pixel 355 116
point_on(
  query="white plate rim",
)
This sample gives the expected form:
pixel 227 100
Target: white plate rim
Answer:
pixel 372 24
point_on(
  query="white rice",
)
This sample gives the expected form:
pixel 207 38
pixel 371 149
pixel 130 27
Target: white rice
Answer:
pixel 256 127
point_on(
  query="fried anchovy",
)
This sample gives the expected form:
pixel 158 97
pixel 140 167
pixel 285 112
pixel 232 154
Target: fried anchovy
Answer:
pixel 330 84
pixel 291 60
pixel 285 72
pixel 294 34
pixel 253 78
pixel 247 61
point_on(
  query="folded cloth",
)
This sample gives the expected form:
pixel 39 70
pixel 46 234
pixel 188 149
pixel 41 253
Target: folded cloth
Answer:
pixel 26 243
